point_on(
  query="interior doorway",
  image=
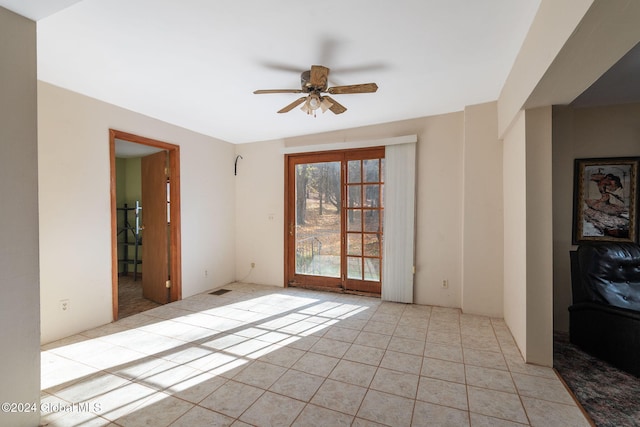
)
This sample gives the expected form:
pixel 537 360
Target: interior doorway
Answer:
pixel 146 252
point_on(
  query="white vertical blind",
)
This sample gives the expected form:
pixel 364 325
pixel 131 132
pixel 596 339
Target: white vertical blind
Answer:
pixel 399 222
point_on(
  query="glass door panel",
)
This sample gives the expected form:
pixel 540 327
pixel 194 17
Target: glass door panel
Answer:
pixel 354 220
pixel 318 219
pixel 371 170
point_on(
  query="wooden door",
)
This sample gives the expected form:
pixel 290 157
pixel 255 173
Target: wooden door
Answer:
pixel 314 218
pixel 334 220
pixel 155 247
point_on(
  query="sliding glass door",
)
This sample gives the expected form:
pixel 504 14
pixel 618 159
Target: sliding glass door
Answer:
pixel 334 220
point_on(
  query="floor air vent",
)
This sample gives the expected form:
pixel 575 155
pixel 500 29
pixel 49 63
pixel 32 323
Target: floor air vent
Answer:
pixel 220 292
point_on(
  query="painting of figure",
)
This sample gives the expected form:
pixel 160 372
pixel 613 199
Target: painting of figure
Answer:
pixel 605 200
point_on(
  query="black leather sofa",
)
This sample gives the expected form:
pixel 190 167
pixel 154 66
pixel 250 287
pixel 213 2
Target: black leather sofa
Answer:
pixel 604 319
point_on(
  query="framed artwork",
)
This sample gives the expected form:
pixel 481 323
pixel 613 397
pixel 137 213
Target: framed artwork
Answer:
pixel 605 200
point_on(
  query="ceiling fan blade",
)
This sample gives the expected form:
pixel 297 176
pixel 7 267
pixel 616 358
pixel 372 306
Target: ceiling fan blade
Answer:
pixel 336 108
pixel 319 76
pixel 261 91
pixel 293 105
pixel 362 88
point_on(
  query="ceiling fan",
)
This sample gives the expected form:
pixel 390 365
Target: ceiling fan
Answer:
pixel 314 83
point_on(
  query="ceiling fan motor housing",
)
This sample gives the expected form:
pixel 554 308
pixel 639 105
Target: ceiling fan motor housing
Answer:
pixel 307 86
pixel 304 80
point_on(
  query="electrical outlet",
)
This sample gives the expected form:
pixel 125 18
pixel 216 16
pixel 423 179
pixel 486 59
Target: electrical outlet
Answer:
pixel 445 284
pixel 64 305
pixel 206 273
pixel 253 265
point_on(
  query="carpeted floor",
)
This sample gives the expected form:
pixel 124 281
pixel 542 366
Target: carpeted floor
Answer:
pixel 611 397
pixel 130 299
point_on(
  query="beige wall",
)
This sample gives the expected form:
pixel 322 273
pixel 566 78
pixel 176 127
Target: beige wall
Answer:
pixel 260 213
pixel 539 250
pixel 515 231
pixel 439 210
pixel 75 211
pixel 528 234
pixel 611 131
pixel 482 228
pixel 19 305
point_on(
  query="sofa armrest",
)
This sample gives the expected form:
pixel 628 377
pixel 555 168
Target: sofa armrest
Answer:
pixel 607 332
pixel 578 292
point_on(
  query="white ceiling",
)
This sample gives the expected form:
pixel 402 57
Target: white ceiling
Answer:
pixel 195 63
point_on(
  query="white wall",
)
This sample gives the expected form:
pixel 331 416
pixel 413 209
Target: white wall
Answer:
pixel 611 131
pixel 75 211
pixel 482 265
pixel 19 305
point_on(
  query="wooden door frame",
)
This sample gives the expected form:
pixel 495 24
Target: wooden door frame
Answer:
pixel 328 283
pixel 289 214
pixel 175 260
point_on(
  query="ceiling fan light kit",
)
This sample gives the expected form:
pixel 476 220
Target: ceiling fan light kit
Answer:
pixel 315 101
pixel 314 83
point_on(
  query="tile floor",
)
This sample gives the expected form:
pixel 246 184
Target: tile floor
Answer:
pixel 266 356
